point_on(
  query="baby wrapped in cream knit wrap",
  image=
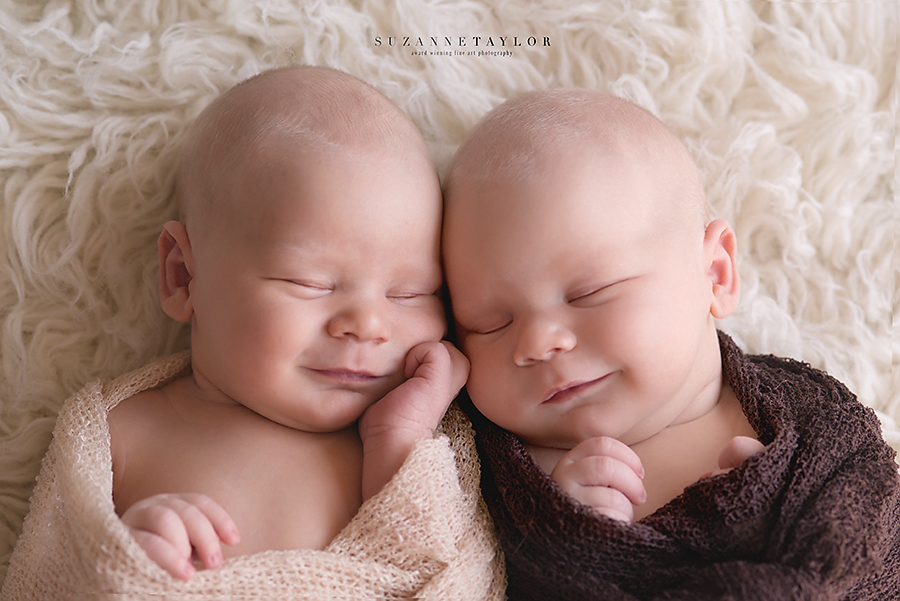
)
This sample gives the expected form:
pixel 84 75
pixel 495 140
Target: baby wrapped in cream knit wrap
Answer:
pixel 425 535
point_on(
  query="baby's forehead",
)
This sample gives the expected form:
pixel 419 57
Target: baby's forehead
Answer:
pixel 547 134
pixel 310 108
pixel 282 115
pixel 533 130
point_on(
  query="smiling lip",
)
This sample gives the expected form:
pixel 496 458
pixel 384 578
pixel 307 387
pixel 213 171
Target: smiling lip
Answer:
pixel 569 391
pixel 346 376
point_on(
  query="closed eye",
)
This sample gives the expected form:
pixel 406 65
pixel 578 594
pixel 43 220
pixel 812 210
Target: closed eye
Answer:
pixel 312 285
pixel 306 289
pixel 491 330
pixel 586 295
pixel 411 297
pixel 407 296
pixel 592 295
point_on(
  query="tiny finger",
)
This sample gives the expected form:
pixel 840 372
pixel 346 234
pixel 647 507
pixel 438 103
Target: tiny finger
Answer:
pixel 608 447
pixel 164 554
pixel 608 502
pixel 616 515
pixel 422 354
pixel 603 461
pixel 219 518
pixel 460 366
pixel 606 472
pixel 738 450
pixel 161 520
pixel 203 536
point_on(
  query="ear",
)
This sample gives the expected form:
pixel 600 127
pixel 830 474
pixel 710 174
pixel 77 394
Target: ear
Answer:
pixel 175 271
pixel 720 250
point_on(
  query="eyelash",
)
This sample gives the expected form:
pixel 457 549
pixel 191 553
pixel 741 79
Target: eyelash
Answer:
pixel 325 288
pixel 584 295
pixel 311 286
pixel 592 291
pixel 492 330
pixel 408 296
pixel 579 296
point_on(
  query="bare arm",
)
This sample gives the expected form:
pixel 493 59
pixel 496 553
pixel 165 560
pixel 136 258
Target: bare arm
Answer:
pixel 172 529
pixel 436 371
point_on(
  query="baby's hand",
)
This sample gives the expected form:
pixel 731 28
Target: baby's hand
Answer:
pixel 738 450
pixel 169 526
pixel 604 474
pixel 390 427
pixel 435 373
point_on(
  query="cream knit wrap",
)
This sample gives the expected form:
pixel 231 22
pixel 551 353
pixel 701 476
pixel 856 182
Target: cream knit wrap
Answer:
pixel 426 535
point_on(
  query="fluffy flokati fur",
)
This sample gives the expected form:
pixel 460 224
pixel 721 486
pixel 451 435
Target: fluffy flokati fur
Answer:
pixel 788 108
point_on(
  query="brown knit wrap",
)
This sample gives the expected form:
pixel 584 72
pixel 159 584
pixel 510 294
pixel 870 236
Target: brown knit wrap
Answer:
pixel 815 516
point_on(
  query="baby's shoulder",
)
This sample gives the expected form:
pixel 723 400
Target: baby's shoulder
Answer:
pixel 143 406
pixel 143 415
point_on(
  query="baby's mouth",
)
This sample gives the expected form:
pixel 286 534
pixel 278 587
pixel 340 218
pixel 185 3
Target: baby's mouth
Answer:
pixel 567 392
pixel 346 376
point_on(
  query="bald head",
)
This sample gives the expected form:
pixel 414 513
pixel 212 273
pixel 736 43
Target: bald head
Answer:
pixel 289 110
pixel 522 137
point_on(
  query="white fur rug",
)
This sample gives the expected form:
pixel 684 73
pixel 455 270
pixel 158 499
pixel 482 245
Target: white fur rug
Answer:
pixel 788 107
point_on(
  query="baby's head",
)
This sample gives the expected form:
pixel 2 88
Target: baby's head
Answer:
pixel 306 255
pixel 584 273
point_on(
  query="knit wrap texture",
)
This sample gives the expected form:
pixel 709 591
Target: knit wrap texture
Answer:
pixel 425 535
pixel 815 516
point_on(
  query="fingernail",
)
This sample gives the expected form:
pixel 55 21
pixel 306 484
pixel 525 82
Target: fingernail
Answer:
pixel 214 559
pixel 188 571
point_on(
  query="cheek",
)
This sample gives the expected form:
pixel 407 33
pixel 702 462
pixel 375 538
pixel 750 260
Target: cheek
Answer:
pixel 651 339
pixel 489 385
pixel 632 325
pixel 425 324
pixel 267 327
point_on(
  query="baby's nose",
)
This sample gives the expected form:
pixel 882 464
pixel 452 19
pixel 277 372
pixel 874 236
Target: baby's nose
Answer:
pixel 540 340
pixel 363 322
